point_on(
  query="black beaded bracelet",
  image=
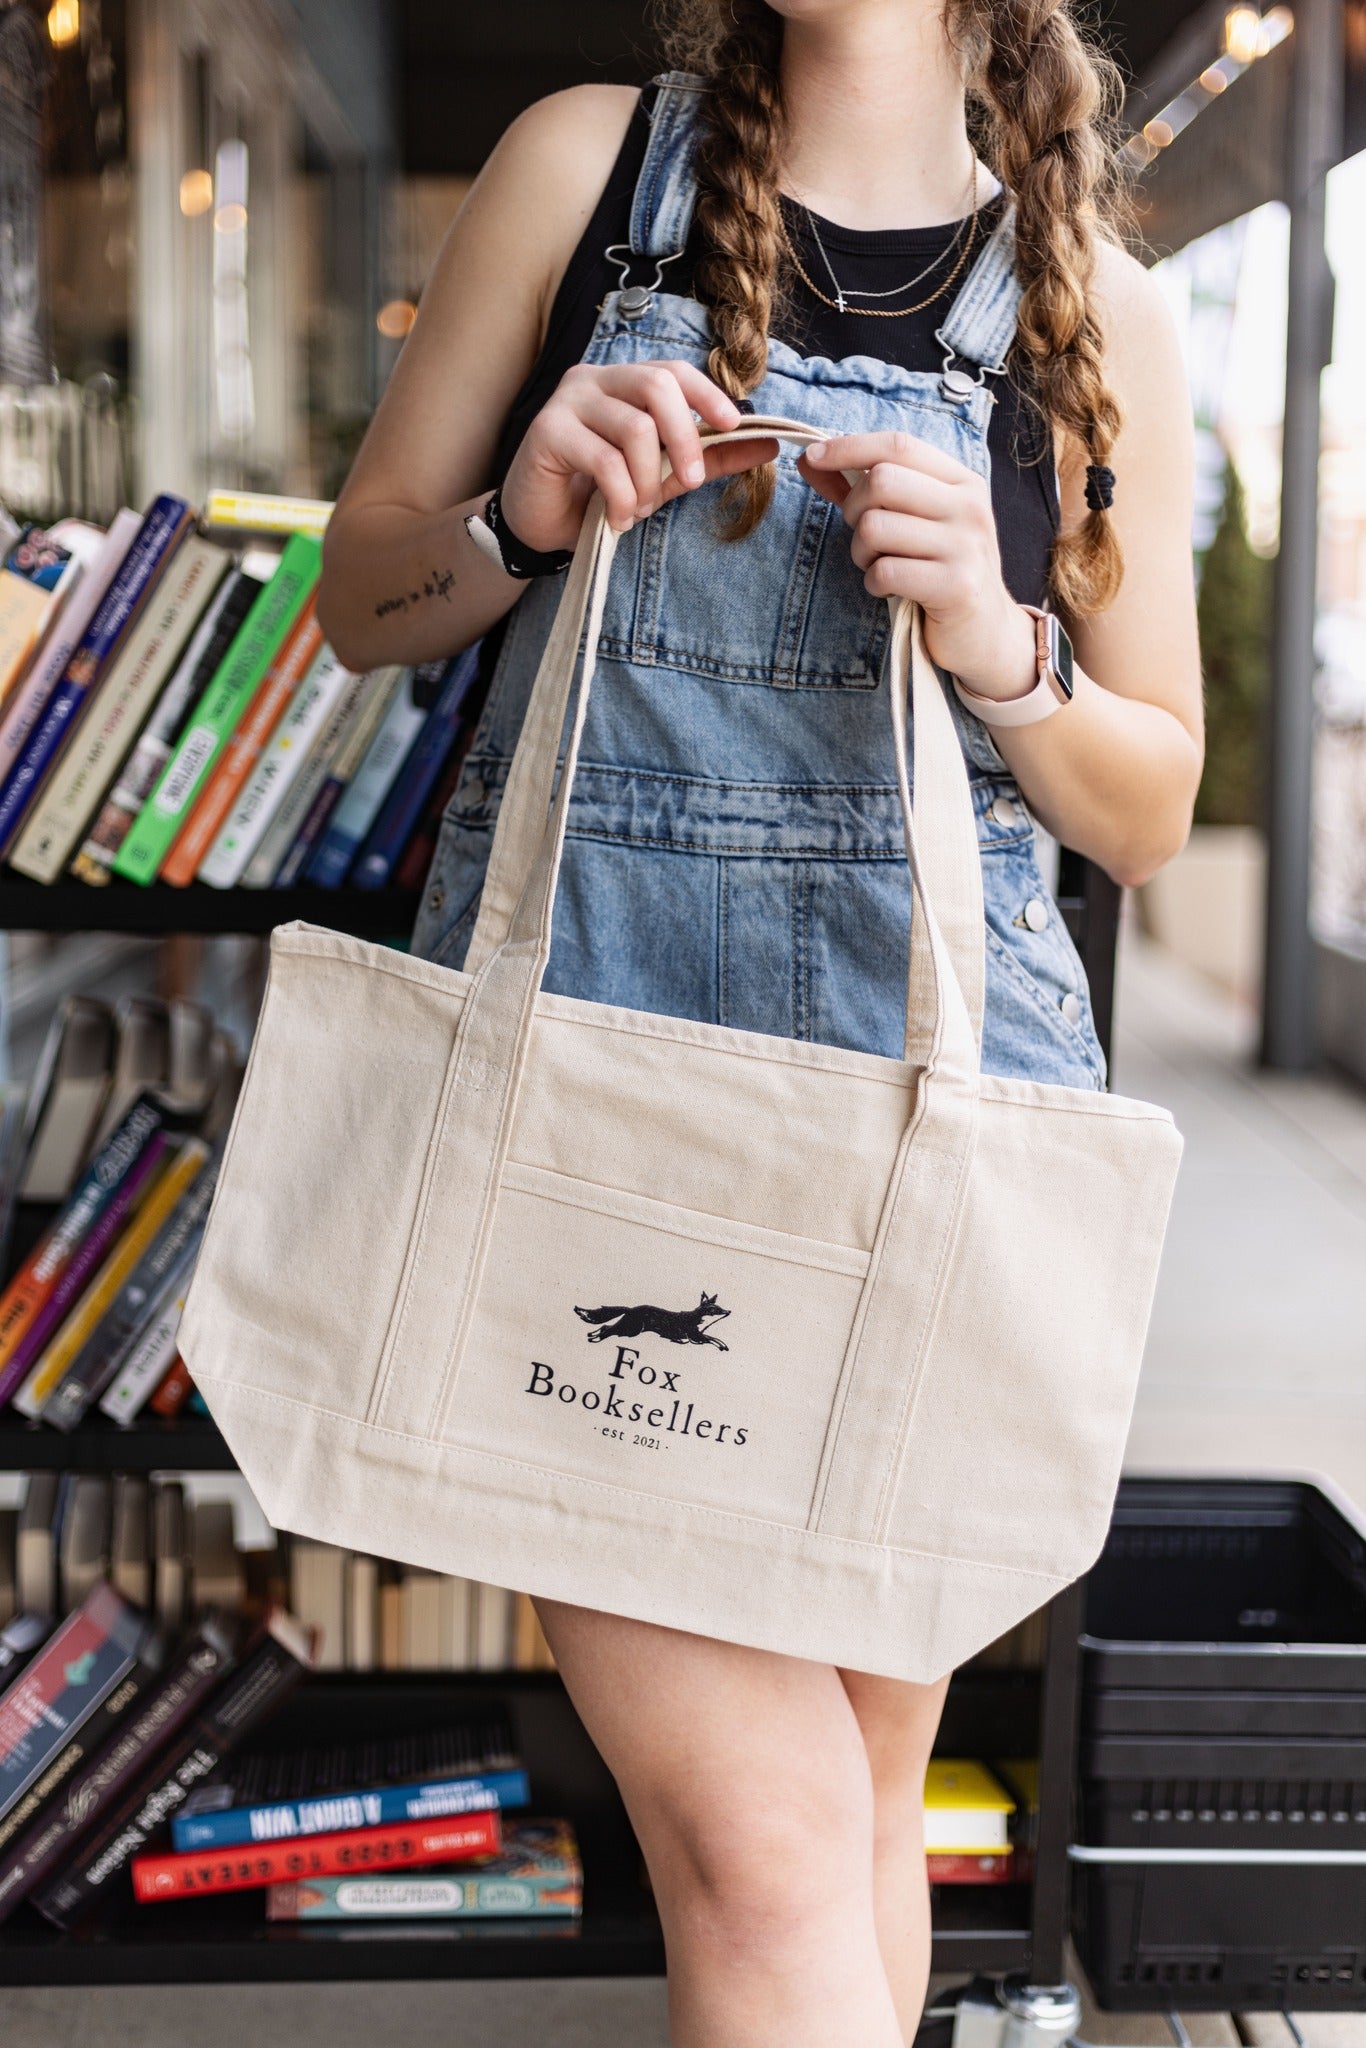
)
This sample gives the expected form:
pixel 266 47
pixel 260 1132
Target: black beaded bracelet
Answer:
pixel 515 557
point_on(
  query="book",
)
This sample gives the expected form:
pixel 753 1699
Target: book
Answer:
pixel 26 703
pixel 266 511
pixel 359 804
pixel 328 1812
pixel 360 1617
pixel 455 1623
pixel 207 649
pixel 20 1640
pixel 9 1585
pixel 84 1558
pixel 217 1579
pixel 76 1669
pixel 153 1352
pixel 130 1538
pixel 339 769
pixel 162 1265
pixel 170 1396
pixel 72 1247
pixel 252 1868
pixel 66 1096
pixel 538 1872
pixel 168 519
pixel 172 1522
pixel 402 807
pixel 35 1546
pixel 13 1104
pixel 421 1619
pixel 967 1809
pixel 263 869
pixel 121 705
pixel 264 1775
pixel 33 573
pixel 270 1668
pixel 944 1867
pixel 120 1766
pixel 262 715
pixel 211 725
pixel 491 1641
pixel 317 1595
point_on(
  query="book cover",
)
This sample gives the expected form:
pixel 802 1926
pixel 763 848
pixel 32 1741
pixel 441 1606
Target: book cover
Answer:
pixel 47 1282
pixel 198 665
pixel 240 756
pixel 120 706
pixel 252 1868
pixel 346 759
pixel 264 866
pixel 403 807
pixel 74 1672
pixel 327 1813
pixel 29 577
pixel 270 1669
pixel 359 804
pixel 264 1776
pixel 153 1352
pixel 219 709
pixel 967 1809
pixel 167 521
pixel 163 1264
pixel 121 1764
pixel 537 1872
pixel 20 1640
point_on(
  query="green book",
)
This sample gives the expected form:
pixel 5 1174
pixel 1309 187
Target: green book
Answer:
pixel 208 730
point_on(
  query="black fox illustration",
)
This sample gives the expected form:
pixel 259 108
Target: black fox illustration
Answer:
pixel 678 1325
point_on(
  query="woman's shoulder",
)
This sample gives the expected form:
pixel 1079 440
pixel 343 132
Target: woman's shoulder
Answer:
pixel 565 144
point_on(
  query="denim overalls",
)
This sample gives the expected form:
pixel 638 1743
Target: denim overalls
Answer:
pixel 735 849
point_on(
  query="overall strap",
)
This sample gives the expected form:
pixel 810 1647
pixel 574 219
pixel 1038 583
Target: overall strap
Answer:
pixel 981 321
pixel 661 208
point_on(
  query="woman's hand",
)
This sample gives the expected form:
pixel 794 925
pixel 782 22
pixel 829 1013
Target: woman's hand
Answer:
pixel 924 528
pixel 610 428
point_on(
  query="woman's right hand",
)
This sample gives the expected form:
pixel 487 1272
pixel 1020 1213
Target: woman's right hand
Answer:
pixel 608 428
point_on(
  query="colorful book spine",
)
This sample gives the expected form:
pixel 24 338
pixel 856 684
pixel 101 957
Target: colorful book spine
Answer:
pixel 292 808
pixel 275 772
pixel 360 803
pixel 962 1866
pixel 250 1869
pixel 88 765
pixel 167 521
pixel 71 1339
pixel 537 1874
pixel 114 1769
pixel 170 1397
pixel 243 750
pixel 343 765
pixel 286 1819
pixel 76 1669
pixel 267 625
pixel 403 807
pixel 198 665
pixel 30 1293
pixel 110 1345
pixel 31 694
pixel 152 1356
pixel 269 1671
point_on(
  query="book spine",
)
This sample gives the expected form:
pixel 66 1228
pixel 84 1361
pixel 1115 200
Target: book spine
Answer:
pixel 434 1896
pixel 153 1355
pixel 113 1712
pixel 173 1392
pixel 79 780
pixel 360 803
pixel 276 840
pixel 947 1866
pixel 240 755
pixel 56 1833
pixel 216 714
pixel 32 1286
pixel 249 1695
pixel 288 1819
pixel 107 1351
pixel 161 531
pixel 272 778
pixel 200 662
pixel 340 770
pixel 403 807
pixel 230 1870
pixel 23 711
pixel 76 1669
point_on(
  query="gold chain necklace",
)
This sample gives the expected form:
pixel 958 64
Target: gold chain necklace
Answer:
pixel 841 305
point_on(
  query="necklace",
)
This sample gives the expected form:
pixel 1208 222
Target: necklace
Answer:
pixel 897 289
pixel 840 303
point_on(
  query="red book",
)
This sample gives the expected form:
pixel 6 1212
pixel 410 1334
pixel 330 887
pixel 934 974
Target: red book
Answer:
pixel 175 1389
pixel 970 1867
pixel 261 1863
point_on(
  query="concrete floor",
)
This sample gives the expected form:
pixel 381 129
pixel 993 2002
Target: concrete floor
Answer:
pixel 1254 1365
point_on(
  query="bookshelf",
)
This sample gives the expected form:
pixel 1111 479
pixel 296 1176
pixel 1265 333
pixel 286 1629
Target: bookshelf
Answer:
pixel 987 1929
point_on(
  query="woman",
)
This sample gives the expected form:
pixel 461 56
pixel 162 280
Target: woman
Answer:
pixel 799 220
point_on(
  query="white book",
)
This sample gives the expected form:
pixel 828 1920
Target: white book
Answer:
pixel 288 821
pixel 421 1632
pixel 454 1648
pixel 317 1595
pixel 35 1553
pixel 493 1610
pixel 280 763
pixel 150 1359
pixel 358 806
pixel 362 1612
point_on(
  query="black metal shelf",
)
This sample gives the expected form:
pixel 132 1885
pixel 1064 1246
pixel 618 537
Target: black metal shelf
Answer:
pixel 153 1443
pixel 161 910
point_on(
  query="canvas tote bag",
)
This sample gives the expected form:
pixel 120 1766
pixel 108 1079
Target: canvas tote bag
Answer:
pixel 804 1348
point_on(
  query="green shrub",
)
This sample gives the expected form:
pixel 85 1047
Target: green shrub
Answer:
pixel 1235 652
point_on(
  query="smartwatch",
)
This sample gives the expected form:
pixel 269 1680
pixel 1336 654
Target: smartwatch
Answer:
pixel 1052 689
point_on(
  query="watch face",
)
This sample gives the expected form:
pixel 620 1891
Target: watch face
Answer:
pixel 1060 652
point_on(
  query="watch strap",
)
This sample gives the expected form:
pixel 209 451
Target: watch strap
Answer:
pixel 491 534
pixel 1046 697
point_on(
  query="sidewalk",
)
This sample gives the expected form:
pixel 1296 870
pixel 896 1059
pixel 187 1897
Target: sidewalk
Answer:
pixel 1257 1343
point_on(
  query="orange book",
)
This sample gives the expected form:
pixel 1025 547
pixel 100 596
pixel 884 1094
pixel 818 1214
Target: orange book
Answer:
pixel 171 1396
pixel 239 756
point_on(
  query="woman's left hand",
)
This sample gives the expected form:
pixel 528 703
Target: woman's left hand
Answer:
pixel 924 528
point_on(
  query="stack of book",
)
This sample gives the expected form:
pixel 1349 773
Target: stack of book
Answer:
pixel 177 1557
pixel 168 715
pixel 968 1814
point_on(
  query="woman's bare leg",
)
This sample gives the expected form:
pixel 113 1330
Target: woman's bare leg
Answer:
pixel 898 1723
pixel 747 1782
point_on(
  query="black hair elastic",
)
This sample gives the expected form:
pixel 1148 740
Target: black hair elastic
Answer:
pixel 1100 487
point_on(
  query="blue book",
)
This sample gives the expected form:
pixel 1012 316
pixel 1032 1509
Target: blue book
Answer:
pixel 360 803
pixel 284 1819
pixel 165 524
pixel 402 810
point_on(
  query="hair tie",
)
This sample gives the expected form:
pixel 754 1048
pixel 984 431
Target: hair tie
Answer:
pixel 1100 487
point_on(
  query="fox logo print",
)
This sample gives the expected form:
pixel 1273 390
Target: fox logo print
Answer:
pixel 678 1325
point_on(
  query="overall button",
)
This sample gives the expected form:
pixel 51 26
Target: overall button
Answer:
pixel 1004 811
pixel 435 898
pixel 634 301
pixel 474 793
pixel 1036 914
pixel 1071 1007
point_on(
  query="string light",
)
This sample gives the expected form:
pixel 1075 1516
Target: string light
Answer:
pixel 63 23
pixel 196 193
pixel 1243 34
pixel 1248 35
pixel 395 318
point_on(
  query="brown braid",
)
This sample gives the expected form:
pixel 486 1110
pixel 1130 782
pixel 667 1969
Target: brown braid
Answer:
pixel 1044 100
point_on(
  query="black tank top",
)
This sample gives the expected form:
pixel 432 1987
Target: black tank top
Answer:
pixel 1023 486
